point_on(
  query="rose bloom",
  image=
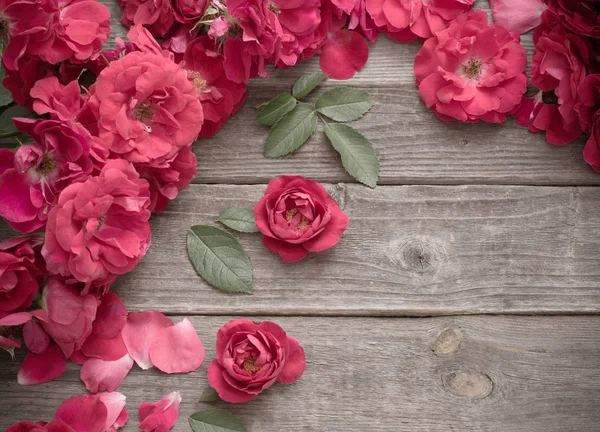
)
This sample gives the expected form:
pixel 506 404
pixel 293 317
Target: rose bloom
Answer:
pixel 156 15
pixel 406 20
pixel 558 69
pixel 251 357
pixel 220 97
pixel 99 228
pixel 472 71
pixel 189 11
pixel 253 39
pixel 20 273
pixel 58 157
pixel 580 16
pixel 61 102
pixel 298 216
pixel 146 107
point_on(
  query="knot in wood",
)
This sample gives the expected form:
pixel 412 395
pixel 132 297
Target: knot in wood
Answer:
pixel 419 256
pixel 473 385
pixel 447 342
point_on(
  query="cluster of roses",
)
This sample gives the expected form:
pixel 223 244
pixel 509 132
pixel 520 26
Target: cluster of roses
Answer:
pixel 251 357
pixel 252 34
pixel 566 70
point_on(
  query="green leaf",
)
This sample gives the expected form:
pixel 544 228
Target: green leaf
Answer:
pixel 358 156
pixel 220 259
pixel 270 113
pixel 239 219
pixel 7 127
pixel 293 130
pixel 307 83
pixel 5 96
pixel 209 395
pixel 344 104
pixel 215 420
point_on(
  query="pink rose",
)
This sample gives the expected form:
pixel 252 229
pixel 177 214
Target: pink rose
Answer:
pixel 220 97
pixel 298 216
pixel 28 189
pixel 99 228
pixel 146 107
pixel 253 39
pixel 157 16
pixel 189 11
pixel 580 16
pixel 299 20
pixel 406 20
pixel 251 357
pixel 20 273
pixel 472 71
pixel 558 69
pixel 70 314
pixel 61 102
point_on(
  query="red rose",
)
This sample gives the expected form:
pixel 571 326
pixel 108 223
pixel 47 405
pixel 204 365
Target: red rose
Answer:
pixel 251 357
pixel 297 216
pixel 580 16
pixel 19 274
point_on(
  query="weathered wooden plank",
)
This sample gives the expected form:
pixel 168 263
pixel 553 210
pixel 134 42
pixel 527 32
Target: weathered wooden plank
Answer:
pixel 414 146
pixel 409 250
pixel 500 373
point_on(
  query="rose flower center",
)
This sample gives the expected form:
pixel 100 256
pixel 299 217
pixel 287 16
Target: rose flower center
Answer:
pixel 473 68
pixel 142 112
pixel 235 31
pixel 198 81
pixel 249 365
pixel 46 167
pixel 274 8
pixel 289 217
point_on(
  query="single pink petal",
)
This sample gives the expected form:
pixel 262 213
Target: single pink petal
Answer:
pixel 160 416
pixel 110 317
pixel 344 54
pixel 84 413
pixel 36 339
pixel 105 349
pixel 295 363
pixel 139 332
pixel 517 15
pixel 15 319
pixel 116 414
pixel 99 375
pixel 177 349
pixel 41 368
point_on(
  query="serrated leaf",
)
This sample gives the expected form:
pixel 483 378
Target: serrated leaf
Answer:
pixel 7 126
pixel 215 420
pixel 358 156
pixel 270 113
pixel 344 104
pixel 209 395
pixel 220 259
pixel 239 219
pixel 307 83
pixel 293 130
pixel 5 95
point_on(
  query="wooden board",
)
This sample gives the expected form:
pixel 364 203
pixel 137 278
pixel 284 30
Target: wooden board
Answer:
pixel 411 250
pixel 464 374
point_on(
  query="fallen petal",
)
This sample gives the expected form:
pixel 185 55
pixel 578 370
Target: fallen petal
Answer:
pixel 110 317
pixel 344 54
pixel 517 15
pixel 160 416
pixel 84 413
pixel 41 368
pixel 99 375
pixel 36 339
pixel 138 334
pixel 177 349
pixel 116 414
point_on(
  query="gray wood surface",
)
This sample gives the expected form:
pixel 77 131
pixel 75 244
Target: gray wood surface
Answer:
pixel 409 250
pixel 438 374
pixel 461 239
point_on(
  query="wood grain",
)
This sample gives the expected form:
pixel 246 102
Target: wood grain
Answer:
pixel 438 374
pixel 409 250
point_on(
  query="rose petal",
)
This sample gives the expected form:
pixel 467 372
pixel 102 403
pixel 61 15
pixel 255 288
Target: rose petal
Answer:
pixel 295 363
pixel 177 349
pixel 36 339
pixel 84 413
pixel 99 375
pixel 344 54
pixel 517 15
pixel 289 253
pixel 105 349
pixel 160 416
pixel 110 317
pixel 139 332
pixel 41 368
pixel 116 414
pixel 226 392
